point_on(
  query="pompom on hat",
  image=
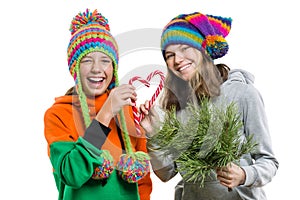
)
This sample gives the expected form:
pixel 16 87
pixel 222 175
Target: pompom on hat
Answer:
pixel 90 33
pixel 203 32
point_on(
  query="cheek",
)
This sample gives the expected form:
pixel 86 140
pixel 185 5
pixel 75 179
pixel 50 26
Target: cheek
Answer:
pixel 83 71
pixel 198 56
pixel 109 72
pixel 170 64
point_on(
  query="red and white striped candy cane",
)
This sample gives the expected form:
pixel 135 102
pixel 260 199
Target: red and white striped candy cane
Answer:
pixel 134 108
pixel 138 78
pixel 158 90
pixel 138 117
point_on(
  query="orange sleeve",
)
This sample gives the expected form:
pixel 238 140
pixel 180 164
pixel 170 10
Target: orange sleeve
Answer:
pixel 145 184
pixel 145 187
pixel 59 125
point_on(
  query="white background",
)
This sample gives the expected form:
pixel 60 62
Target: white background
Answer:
pixel 34 35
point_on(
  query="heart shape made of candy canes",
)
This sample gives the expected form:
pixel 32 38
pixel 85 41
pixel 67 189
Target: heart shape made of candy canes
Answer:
pixel 138 117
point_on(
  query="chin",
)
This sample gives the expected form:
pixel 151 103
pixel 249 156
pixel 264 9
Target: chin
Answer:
pixel 185 78
pixel 98 93
pixel 95 92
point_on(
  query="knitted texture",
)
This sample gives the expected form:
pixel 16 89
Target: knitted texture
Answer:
pixel 132 166
pixel 203 32
pixel 103 171
pixel 90 32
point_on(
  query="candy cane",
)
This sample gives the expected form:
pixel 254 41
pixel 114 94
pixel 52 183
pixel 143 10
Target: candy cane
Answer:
pixel 158 90
pixel 138 78
pixel 138 117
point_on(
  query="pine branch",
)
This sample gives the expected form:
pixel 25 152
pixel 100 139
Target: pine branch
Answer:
pixel 209 138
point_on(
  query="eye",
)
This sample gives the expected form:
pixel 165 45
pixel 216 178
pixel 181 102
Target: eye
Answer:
pixel 185 48
pixel 105 62
pixel 86 60
pixel 169 55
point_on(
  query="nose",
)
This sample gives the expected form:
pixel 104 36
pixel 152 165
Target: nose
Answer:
pixel 178 58
pixel 97 67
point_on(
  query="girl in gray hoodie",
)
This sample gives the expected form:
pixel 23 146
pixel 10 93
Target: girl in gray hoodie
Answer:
pixel 190 43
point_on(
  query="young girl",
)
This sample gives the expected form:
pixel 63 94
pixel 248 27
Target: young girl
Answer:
pixel 82 127
pixel 190 43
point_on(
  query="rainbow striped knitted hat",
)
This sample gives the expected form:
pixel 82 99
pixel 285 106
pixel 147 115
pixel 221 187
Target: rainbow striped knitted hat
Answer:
pixel 203 32
pixel 90 32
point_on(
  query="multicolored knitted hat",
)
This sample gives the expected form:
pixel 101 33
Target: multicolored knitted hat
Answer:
pixel 203 32
pixel 90 32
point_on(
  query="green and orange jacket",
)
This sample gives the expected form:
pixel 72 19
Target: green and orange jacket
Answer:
pixel 74 151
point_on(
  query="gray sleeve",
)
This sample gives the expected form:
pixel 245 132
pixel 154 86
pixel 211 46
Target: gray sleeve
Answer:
pixel 163 166
pixel 96 133
pixel 265 164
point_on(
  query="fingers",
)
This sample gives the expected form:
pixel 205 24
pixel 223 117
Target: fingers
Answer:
pixel 151 120
pixel 144 108
pixel 125 93
pixel 150 114
pixel 223 173
pixel 231 176
pixel 121 96
pixel 227 169
pixel 225 177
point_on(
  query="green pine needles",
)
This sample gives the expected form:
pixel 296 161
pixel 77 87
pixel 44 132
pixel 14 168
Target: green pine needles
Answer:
pixel 203 139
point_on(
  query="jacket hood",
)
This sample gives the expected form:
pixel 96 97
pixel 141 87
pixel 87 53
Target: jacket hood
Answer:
pixel 96 102
pixel 67 99
pixel 241 76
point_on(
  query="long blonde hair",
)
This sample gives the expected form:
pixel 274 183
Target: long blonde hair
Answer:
pixel 206 82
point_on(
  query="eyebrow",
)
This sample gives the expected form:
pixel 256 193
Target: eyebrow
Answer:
pixel 179 46
pixel 102 56
pixel 169 52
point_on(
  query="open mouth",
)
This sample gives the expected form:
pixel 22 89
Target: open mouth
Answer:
pixel 184 67
pixel 96 80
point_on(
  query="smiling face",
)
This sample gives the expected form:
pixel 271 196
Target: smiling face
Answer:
pixel 183 60
pixel 96 73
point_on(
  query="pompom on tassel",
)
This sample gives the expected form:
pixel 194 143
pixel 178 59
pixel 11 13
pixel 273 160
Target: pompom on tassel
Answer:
pixel 103 171
pixel 133 167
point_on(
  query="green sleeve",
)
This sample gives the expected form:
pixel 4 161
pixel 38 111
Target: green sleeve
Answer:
pixel 74 162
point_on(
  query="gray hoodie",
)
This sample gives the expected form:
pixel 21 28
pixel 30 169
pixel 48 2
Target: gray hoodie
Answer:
pixel 260 167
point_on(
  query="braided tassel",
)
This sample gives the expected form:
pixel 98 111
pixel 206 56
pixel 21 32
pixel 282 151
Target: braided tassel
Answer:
pixel 132 166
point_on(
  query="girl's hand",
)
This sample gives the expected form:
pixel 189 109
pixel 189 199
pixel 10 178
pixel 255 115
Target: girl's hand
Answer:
pixel 231 176
pixel 150 120
pixel 121 96
pixel 118 97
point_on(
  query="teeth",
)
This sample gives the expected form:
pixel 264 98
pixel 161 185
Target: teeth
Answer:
pixel 183 68
pixel 96 79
